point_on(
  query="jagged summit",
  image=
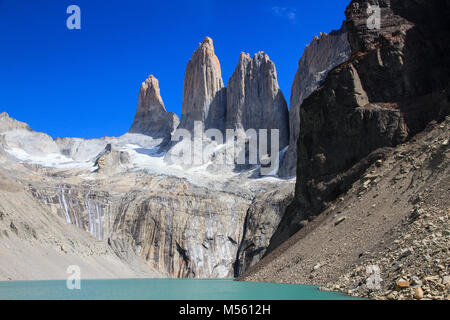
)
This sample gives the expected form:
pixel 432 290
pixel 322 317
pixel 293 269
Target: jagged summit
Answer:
pixel 151 117
pixel 254 98
pixel 207 42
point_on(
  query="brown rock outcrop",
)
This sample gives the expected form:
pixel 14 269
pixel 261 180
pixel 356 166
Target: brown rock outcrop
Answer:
pixel 151 117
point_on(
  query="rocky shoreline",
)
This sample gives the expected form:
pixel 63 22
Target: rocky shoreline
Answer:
pixel 386 238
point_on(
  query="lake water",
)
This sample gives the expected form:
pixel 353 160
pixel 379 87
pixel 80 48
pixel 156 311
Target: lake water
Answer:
pixel 162 289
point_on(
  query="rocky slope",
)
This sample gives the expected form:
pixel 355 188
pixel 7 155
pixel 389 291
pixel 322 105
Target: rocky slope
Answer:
pixel 151 117
pixel 319 57
pixel 372 174
pixel 416 264
pixel 387 92
pixel 36 244
pixel 395 217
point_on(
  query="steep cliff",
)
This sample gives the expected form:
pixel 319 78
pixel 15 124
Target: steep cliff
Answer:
pixel 178 228
pixel 395 83
pixel 36 244
pixel 182 229
pixel 204 94
pixel 263 217
pixel 320 56
pixel 254 99
pixel 151 117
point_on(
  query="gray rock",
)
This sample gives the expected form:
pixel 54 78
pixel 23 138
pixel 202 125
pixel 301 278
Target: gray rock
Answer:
pixel 339 221
pixel 254 99
pixel 7 123
pixel 262 219
pixel 2 144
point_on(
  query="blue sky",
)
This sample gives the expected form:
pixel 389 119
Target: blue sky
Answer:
pixel 84 83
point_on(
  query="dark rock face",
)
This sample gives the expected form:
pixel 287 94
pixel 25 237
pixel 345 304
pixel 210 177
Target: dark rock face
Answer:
pixel 395 83
pixel 204 94
pixel 254 99
pixel 320 56
pixel 261 221
pixel 151 117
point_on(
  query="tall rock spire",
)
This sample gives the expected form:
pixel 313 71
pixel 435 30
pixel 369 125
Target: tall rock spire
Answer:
pixel 254 99
pixel 204 95
pixel 151 117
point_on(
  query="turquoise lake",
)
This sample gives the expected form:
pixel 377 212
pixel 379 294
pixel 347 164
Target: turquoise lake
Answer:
pixel 162 289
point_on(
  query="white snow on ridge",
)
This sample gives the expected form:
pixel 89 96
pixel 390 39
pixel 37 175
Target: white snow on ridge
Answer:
pixel 76 153
pixel 51 160
pixel 37 148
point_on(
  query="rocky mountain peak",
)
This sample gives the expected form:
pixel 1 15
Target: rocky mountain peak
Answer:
pixel 206 51
pixel 7 123
pixel 151 117
pixel 204 97
pixel 151 93
pixel 254 98
pixel 261 57
pixel 207 43
pixel 244 58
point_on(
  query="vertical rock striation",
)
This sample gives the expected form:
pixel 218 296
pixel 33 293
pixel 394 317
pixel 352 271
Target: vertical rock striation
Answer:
pixel 176 227
pixel 151 117
pixel 263 217
pixel 204 94
pixel 396 81
pixel 320 56
pixel 254 99
pixel 77 205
